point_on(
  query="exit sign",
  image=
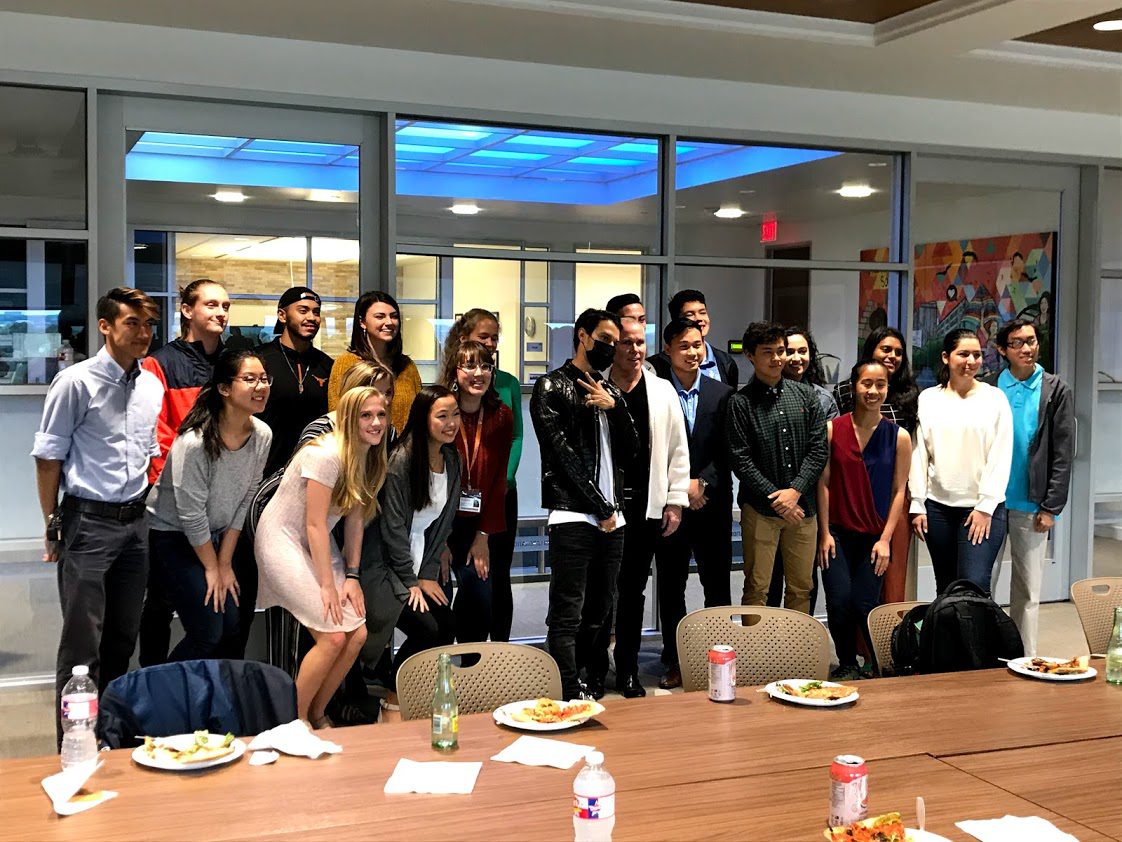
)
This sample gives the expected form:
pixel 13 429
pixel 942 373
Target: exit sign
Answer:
pixel 769 231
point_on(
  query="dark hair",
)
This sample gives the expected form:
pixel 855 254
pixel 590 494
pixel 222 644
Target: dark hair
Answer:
pixel 762 333
pixel 360 342
pixel 590 319
pixel 814 373
pixel 950 342
pixel 1016 254
pixel 189 295
pixel 207 411
pixel 903 393
pixel 855 372
pixel 109 305
pixel 681 298
pixel 617 302
pixel 415 440
pixel 471 353
pixel 1002 338
pixel 676 327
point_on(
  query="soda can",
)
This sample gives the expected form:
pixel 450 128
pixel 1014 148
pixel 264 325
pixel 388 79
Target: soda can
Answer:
pixel 722 674
pixel 849 790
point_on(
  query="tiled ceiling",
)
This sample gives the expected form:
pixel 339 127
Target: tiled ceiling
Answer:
pixel 1082 34
pixel 860 11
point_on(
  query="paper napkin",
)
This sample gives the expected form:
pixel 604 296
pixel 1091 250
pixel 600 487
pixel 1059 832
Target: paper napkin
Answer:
pixel 438 777
pixel 536 751
pixel 1015 829
pixel 294 738
pixel 63 786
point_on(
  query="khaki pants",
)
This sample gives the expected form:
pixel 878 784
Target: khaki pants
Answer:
pixel 1029 550
pixel 798 543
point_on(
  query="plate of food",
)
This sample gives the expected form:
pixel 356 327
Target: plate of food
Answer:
pixel 547 714
pixel 1054 669
pixel 886 828
pixel 188 752
pixel 812 692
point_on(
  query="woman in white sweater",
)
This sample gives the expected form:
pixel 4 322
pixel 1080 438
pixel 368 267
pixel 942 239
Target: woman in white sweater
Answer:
pixel 960 466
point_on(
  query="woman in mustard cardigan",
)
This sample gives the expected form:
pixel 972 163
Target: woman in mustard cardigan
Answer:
pixel 376 337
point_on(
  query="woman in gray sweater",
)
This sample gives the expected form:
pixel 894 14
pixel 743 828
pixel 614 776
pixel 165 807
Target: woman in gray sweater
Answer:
pixel 197 508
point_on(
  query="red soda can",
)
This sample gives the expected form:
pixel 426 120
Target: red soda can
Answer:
pixel 722 674
pixel 849 790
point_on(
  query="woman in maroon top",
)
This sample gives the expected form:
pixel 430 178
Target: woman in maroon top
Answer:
pixel 860 500
pixel 486 434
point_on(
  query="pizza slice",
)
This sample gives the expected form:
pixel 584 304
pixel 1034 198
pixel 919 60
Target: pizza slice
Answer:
pixel 886 828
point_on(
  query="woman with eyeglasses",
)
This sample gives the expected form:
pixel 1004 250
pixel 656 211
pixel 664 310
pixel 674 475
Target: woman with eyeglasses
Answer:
pixel 483 327
pixel 484 440
pixel 199 504
pixel 376 337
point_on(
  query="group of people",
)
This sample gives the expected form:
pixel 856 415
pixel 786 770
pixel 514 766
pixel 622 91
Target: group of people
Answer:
pixel 211 482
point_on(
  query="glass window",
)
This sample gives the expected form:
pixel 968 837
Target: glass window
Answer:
pixel 739 201
pixel 43 301
pixel 42 158
pixel 1110 208
pixel 533 187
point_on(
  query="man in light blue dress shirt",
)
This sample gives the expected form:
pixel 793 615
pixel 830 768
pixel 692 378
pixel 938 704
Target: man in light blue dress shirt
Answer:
pixel 95 441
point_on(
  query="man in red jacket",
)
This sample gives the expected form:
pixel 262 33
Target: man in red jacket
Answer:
pixel 183 366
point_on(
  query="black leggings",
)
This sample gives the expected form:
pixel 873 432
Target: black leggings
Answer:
pixel 502 558
pixel 423 630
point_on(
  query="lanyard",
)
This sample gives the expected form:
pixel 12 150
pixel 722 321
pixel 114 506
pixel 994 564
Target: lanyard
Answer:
pixel 472 452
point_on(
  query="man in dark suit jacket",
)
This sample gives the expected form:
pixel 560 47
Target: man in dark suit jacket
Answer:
pixel 716 364
pixel 706 528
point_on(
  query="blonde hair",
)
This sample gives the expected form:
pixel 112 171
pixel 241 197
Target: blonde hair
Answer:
pixel 360 479
pixel 364 373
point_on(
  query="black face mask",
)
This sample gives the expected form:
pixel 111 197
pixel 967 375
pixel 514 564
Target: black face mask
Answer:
pixel 600 355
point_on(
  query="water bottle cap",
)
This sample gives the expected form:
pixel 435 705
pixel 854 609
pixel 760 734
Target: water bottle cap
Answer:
pixel 81 669
pixel 594 758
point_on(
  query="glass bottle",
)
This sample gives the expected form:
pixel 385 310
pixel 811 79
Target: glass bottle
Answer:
pixel 445 709
pixel 1114 651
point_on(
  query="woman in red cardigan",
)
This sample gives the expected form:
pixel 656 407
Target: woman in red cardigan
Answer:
pixel 486 434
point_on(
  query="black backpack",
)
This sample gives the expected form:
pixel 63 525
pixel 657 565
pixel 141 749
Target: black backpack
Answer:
pixel 905 641
pixel 963 629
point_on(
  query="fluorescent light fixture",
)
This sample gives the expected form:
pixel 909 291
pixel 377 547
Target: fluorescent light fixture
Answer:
pixel 878 164
pixel 512 156
pixel 465 208
pixel 549 140
pixel 326 196
pixel 855 191
pixel 231 196
pixel 443 134
pixel 1108 25
pixel 729 212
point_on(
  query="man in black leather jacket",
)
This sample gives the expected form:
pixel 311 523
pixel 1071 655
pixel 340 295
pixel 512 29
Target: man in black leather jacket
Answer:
pixel 585 434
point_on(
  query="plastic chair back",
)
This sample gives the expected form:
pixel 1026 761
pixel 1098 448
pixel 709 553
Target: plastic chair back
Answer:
pixel 882 621
pixel 1095 600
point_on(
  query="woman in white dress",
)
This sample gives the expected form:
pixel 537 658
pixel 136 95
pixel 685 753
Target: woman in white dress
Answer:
pixel 336 476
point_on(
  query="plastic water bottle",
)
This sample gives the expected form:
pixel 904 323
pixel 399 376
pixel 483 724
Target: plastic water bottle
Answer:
pixel 1114 651
pixel 79 718
pixel 594 801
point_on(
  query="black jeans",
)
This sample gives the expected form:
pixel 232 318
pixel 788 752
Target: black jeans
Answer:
pixel 852 591
pixel 639 537
pixel 245 569
pixel 952 554
pixel 207 633
pixel 583 561
pixel 101 575
pixel 706 534
pixel 775 591
pixel 155 618
pixel 472 605
pixel 502 557
pixel 423 630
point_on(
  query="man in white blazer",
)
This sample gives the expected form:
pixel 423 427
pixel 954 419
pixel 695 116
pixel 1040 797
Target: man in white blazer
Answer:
pixel 655 488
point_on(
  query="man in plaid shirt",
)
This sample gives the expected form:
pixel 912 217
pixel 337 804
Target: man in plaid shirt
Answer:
pixel 776 436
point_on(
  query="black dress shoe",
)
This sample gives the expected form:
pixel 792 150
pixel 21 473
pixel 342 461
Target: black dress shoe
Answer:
pixel 630 688
pixel 672 679
pixel 594 686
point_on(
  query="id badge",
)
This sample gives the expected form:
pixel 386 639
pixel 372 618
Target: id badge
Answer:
pixel 471 501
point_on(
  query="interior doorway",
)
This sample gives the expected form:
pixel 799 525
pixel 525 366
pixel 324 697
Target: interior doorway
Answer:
pixel 788 290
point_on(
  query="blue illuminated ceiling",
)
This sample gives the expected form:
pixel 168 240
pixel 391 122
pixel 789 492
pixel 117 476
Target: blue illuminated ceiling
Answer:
pixel 444 160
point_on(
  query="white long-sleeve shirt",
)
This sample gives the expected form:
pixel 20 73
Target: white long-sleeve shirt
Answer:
pixel 963 449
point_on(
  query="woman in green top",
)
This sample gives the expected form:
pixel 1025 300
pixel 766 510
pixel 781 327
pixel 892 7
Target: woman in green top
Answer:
pixel 482 326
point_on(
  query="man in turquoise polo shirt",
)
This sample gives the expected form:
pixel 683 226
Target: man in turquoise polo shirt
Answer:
pixel 1043 443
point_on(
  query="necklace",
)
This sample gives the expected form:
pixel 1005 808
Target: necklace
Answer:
pixel 298 377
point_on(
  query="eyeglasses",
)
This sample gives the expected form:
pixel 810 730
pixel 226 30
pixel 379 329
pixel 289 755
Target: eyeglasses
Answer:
pixel 483 368
pixel 1017 344
pixel 251 380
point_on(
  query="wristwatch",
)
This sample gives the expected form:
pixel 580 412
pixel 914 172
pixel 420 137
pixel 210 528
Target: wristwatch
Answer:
pixel 702 484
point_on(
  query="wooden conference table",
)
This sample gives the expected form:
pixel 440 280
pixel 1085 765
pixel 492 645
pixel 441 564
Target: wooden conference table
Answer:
pixel 974 745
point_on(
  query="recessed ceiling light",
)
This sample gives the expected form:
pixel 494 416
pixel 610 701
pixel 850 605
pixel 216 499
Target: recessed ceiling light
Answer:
pixel 139 246
pixel 1108 25
pixel 747 192
pixel 326 196
pixel 680 207
pixel 855 191
pixel 465 208
pixel 730 212
pixel 878 164
pixel 228 196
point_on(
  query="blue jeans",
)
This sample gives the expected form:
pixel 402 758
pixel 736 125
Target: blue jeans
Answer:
pixel 952 554
pixel 852 591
